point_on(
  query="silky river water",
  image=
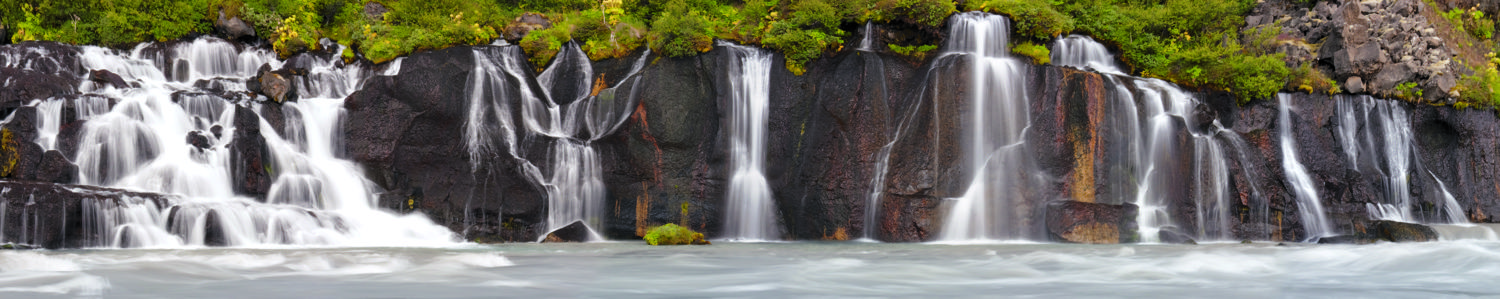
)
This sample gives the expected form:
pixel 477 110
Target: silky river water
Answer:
pixel 764 270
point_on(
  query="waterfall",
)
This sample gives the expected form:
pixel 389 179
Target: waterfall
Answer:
pixel 867 42
pixel 573 175
pixel 315 197
pixel 1380 132
pixel 995 145
pixel 1150 115
pixel 1084 53
pixel 751 212
pixel 1309 207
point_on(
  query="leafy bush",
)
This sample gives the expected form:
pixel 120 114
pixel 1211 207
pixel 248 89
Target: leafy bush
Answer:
pixel 680 31
pixel 1472 21
pixel 930 13
pixel 671 234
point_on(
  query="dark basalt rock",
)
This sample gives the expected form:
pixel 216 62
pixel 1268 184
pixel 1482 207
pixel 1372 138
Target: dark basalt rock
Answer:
pixel 104 77
pixel 407 132
pixel 249 159
pixel 668 163
pixel 572 233
pixel 1091 223
pixel 1401 232
pixel 375 11
pixel 198 140
pixel 213 230
pixel 53 214
pixel 276 85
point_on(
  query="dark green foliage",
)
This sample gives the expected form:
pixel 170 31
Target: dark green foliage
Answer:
pixel 681 31
pixel 930 13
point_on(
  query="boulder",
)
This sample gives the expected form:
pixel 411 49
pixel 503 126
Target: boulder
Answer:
pixel 1091 223
pixel 249 158
pixel 573 232
pixel 198 140
pixel 375 11
pixel 1391 75
pixel 1355 239
pixel 105 77
pixel 526 23
pixel 233 28
pixel 276 85
pixel 1394 231
pixel 1354 85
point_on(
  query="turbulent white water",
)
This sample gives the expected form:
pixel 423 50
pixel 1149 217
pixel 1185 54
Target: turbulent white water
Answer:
pixel 1309 205
pixel 995 146
pixel 316 198
pixel 751 213
pixel 767 270
pixel 867 41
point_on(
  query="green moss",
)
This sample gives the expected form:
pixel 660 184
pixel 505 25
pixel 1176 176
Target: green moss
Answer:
pixel 1472 21
pixel 1408 91
pixel 914 52
pixel 1039 54
pixel 671 234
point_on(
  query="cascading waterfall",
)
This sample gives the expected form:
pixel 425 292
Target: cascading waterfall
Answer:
pixel 751 212
pixel 1084 53
pixel 573 179
pixel 995 145
pixel 1151 116
pixel 1377 135
pixel 1309 205
pixel 867 41
pixel 316 198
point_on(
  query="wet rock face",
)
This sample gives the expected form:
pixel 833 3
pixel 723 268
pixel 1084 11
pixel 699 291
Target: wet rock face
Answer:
pixel 249 159
pixel 276 85
pixel 668 163
pixel 1091 223
pixel 1385 42
pixel 407 132
pixel 52 215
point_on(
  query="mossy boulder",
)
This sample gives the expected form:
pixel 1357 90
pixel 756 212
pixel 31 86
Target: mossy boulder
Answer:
pixel 671 234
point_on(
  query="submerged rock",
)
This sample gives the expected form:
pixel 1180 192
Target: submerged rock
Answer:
pixel 1401 231
pixel 574 232
pixel 1091 223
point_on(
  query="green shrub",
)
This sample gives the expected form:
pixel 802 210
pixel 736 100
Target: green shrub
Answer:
pixel 1483 87
pixel 671 234
pixel 1408 91
pixel 1039 54
pixel 680 31
pixel 930 13
pixel 1472 21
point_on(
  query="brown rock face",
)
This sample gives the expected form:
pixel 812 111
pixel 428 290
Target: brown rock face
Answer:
pixel 1091 223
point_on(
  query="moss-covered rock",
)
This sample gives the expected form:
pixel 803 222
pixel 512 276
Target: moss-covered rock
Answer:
pixel 671 234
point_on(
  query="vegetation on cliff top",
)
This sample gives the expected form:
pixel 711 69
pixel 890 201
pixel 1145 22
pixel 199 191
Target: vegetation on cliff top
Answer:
pixel 1191 42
